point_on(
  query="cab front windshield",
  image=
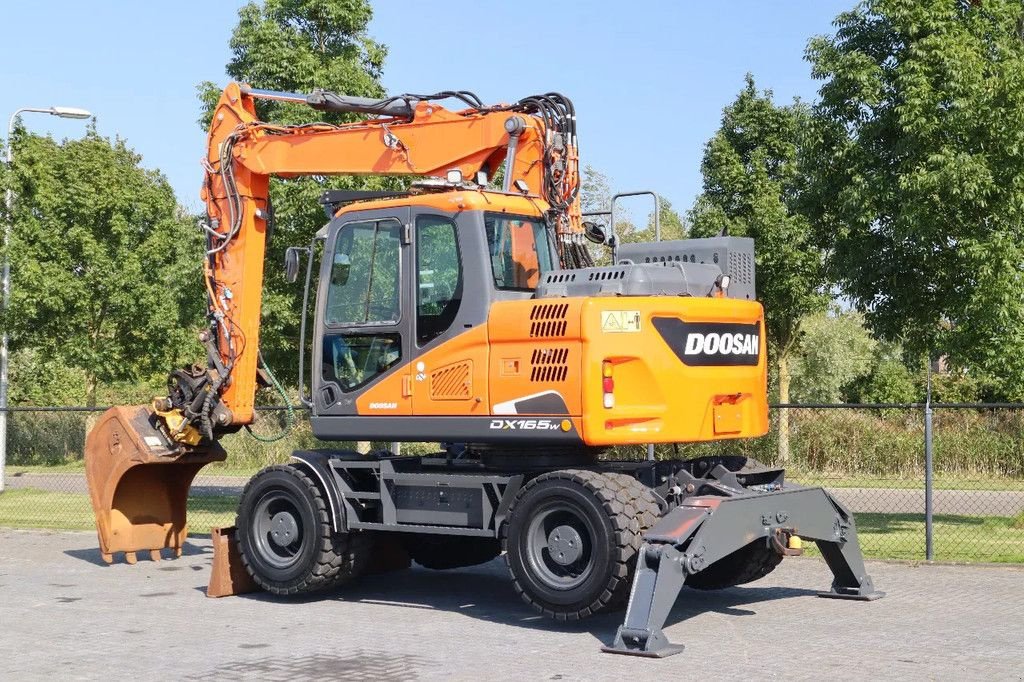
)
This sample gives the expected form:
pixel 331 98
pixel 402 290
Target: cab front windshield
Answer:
pixel 520 250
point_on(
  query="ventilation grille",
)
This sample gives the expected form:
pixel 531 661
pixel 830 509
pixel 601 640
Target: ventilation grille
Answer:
pixel 453 382
pixel 548 320
pixel 741 267
pixel 560 277
pixel 549 364
pixel 606 275
pixel 668 260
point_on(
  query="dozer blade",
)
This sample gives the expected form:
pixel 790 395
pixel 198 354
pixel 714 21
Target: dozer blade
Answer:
pixel 138 482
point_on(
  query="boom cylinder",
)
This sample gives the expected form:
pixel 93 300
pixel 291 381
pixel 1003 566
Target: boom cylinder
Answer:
pixel 321 100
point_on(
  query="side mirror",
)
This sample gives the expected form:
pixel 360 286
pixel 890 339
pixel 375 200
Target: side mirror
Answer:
pixel 291 263
pixel 340 269
pixel 595 232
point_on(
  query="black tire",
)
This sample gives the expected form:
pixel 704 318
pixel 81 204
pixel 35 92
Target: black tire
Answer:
pixel 442 552
pixel 285 537
pixel 747 564
pixel 606 512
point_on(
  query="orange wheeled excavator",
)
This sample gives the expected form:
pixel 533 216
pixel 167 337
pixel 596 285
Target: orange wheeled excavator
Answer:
pixel 473 316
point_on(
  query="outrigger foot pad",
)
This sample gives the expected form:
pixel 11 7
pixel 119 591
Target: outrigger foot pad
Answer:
pixel 852 593
pixel 637 643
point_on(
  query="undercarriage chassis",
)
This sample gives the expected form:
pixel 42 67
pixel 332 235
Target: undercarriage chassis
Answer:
pixel 712 509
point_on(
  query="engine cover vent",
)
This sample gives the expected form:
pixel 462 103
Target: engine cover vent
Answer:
pixel 549 364
pixel 548 320
pixel 453 382
pixel 741 267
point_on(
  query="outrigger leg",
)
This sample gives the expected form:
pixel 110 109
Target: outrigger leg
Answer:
pixel 705 529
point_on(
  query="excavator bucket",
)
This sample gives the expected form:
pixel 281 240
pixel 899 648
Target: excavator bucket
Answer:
pixel 139 481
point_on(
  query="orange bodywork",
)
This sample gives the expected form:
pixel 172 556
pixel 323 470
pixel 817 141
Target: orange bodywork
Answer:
pixel 537 347
pixel 658 399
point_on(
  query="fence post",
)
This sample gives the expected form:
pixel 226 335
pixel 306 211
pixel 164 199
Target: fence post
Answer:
pixel 929 540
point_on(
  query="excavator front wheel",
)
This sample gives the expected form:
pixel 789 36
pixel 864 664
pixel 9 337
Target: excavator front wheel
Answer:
pixel 572 539
pixel 285 536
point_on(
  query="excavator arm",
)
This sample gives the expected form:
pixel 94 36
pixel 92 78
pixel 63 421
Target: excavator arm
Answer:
pixel 138 506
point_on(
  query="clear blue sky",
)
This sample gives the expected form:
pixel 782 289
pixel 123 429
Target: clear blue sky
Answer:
pixel 649 79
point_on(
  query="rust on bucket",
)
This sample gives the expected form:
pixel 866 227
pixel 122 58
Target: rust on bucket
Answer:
pixel 139 481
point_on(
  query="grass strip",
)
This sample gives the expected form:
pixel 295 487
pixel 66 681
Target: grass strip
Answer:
pixel 990 539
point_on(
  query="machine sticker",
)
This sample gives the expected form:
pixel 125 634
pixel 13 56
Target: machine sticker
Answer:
pixel 620 321
pixel 383 406
pixel 545 402
pixel 530 424
pixel 421 371
pixel 153 442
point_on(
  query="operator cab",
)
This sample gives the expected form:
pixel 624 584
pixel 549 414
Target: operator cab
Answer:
pixel 403 274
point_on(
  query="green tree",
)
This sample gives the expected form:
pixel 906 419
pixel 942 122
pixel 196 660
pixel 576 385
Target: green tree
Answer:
pixel 296 46
pixel 753 185
pixel 105 265
pixel 835 350
pixel 918 187
pixel 889 380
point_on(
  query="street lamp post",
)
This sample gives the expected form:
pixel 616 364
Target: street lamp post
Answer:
pixel 62 112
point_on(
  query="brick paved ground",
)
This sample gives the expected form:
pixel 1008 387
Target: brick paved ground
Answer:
pixel 63 614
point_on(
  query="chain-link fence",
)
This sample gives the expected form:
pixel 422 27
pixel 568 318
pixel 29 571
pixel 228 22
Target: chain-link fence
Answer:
pixel 872 457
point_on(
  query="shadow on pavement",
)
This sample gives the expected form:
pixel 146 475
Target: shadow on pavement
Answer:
pixel 92 554
pixel 485 593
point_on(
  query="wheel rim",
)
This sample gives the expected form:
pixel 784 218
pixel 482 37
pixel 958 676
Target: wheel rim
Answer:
pixel 560 546
pixel 278 529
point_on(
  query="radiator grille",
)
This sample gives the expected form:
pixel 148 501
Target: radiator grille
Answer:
pixel 741 267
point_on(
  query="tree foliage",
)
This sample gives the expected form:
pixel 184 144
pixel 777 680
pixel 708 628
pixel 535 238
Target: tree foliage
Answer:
pixel 296 46
pixel 835 350
pixel 105 266
pixel 595 192
pixel 919 175
pixel 889 381
pixel 753 184
pixel 671 223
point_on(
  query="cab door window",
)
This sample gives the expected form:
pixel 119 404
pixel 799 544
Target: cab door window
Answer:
pixel 438 277
pixel 365 274
pixel 520 251
pixel 363 293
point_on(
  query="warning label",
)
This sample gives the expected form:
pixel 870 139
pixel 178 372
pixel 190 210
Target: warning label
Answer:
pixel 620 321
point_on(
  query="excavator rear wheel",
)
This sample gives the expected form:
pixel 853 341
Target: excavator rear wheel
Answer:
pixel 285 536
pixel 572 539
pixel 747 564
